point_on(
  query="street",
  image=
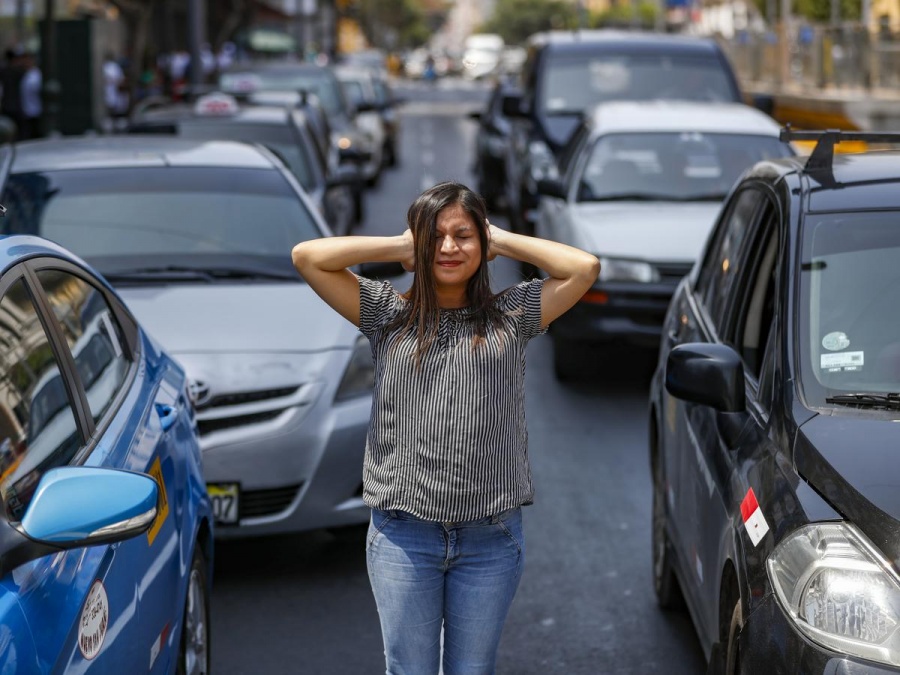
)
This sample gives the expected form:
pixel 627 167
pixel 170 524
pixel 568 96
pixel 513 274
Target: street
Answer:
pixel 302 603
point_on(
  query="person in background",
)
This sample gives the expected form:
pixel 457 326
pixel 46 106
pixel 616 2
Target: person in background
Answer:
pixel 11 75
pixel 32 107
pixel 446 467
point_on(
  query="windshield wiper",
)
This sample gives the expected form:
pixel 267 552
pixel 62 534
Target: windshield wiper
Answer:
pixel 189 273
pixel 631 197
pixel 866 400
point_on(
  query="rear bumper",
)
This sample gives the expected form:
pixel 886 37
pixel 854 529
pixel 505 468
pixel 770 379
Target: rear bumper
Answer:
pixel 631 313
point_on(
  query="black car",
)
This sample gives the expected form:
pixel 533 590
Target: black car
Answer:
pixel 773 421
pixel 492 143
pixel 567 72
pixel 288 131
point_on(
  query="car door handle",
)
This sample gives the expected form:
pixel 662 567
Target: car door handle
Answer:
pixel 167 415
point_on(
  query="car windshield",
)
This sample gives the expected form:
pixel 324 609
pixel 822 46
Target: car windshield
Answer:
pixel 576 82
pixel 153 219
pixel 354 91
pixel 279 138
pixel 326 88
pixel 849 325
pixel 687 166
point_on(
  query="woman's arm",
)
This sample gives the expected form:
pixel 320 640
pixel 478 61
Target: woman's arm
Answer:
pixel 323 264
pixel 572 271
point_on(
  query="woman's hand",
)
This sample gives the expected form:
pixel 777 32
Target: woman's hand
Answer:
pixel 492 232
pixel 408 259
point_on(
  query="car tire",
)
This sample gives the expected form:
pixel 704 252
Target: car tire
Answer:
pixel 665 583
pixel 733 649
pixel 194 651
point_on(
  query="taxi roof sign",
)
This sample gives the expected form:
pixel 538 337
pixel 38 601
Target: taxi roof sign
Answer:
pixel 216 105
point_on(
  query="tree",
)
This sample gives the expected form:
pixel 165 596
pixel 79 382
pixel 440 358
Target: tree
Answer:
pixel 516 20
pixel 392 24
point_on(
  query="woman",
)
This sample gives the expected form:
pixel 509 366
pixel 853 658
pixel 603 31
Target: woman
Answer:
pixel 446 468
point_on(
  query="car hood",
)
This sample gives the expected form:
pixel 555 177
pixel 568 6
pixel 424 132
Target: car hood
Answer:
pixel 238 318
pixel 851 458
pixel 669 231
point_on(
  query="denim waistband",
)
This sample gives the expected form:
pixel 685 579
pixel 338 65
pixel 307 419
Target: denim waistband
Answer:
pixel 487 520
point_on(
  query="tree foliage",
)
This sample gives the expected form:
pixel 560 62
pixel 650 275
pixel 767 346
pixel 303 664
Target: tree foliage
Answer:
pixel 393 24
pixel 816 10
pixel 515 20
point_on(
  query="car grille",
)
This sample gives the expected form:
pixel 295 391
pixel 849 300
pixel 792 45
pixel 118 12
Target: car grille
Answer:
pixel 242 397
pixel 209 426
pixel 672 272
pixel 257 503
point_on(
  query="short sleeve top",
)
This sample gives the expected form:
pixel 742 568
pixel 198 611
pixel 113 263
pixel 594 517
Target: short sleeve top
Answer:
pixel 447 439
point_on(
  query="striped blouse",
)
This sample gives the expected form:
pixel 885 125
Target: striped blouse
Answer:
pixel 447 441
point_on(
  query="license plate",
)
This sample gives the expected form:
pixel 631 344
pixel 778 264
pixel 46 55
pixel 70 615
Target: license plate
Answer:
pixel 225 498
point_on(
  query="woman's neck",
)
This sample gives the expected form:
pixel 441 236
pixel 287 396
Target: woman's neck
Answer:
pixel 452 298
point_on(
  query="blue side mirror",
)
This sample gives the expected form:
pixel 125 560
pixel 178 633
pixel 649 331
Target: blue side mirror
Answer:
pixel 80 506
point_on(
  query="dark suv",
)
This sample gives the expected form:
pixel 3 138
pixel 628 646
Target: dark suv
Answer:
pixel 567 72
pixel 774 417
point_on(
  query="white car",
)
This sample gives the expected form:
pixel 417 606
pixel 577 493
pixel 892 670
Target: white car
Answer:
pixel 639 185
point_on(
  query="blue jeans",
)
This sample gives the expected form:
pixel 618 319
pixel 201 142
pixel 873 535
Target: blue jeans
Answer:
pixel 429 575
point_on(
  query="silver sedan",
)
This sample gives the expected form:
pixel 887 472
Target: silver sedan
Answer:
pixel 196 236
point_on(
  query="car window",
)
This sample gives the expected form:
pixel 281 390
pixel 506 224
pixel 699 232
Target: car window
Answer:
pixel 93 334
pixel 321 83
pixel 686 166
pixel 130 218
pixel 573 82
pixel 754 302
pixel 280 138
pixel 37 421
pixel 720 265
pixel 848 321
pixel 354 91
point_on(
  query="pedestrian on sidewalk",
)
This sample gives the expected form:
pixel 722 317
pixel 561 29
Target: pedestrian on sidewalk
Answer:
pixel 32 106
pixel 446 468
pixel 11 74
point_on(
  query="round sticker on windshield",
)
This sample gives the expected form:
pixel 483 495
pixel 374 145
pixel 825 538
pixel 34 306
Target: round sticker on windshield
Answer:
pixel 836 341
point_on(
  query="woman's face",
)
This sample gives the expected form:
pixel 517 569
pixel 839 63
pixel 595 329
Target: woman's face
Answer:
pixel 458 247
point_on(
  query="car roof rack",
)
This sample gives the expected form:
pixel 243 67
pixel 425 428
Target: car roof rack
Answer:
pixel 822 157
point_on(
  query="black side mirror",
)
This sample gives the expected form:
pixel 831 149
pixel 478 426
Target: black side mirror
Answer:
pixel 552 187
pixel 708 374
pixel 513 106
pixel 353 155
pixel 764 102
pixel 475 115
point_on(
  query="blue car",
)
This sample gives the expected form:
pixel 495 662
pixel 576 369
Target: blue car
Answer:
pixel 106 543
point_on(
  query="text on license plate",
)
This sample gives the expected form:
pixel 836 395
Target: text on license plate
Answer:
pixel 225 498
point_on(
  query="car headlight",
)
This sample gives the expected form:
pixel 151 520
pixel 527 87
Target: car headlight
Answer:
pixel 839 590
pixel 541 162
pixel 359 378
pixel 617 269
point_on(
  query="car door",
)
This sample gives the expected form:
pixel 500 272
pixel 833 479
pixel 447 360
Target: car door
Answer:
pixel 556 219
pixel 738 309
pixel 102 598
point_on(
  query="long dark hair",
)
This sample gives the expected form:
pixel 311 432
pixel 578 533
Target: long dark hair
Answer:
pixel 422 313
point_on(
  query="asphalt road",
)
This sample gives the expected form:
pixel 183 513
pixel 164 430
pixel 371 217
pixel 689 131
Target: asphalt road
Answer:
pixel 302 604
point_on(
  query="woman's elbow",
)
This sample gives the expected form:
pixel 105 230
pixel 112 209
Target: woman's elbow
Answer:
pixel 590 269
pixel 299 255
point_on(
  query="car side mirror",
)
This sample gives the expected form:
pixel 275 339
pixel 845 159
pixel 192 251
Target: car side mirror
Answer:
pixel 475 115
pixel 353 155
pixel 514 106
pixel 365 106
pixel 708 374
pixel 764 103
pixel 76 506
pixel 552 187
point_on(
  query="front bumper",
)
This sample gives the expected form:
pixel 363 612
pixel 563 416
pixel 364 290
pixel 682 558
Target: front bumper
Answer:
pixel 632 313
pixel 771 643
pixel 301 470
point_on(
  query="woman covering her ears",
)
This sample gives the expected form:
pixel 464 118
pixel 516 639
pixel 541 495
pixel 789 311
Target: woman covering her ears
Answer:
pixel 446 467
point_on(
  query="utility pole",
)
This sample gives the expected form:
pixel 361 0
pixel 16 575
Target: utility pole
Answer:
pixel 196 37
pixel 51 89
